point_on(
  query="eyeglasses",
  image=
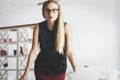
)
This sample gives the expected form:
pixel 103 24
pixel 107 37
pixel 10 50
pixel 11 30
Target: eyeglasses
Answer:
pixel 53 10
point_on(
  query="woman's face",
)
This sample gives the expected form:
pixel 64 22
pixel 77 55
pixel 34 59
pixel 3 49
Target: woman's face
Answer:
pixel 51 11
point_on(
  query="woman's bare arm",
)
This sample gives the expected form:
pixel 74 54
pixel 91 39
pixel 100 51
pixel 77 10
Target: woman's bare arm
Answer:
pixel 69 50
pixel 33 52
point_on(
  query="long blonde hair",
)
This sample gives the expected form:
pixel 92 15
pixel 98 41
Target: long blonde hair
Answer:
pixel 60 32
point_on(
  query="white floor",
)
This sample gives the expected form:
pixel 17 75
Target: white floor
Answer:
pixel 93 74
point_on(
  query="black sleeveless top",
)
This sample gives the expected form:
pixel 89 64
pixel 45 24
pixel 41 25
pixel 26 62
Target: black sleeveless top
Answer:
pixel 49 61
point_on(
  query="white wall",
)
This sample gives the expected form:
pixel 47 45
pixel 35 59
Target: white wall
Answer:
pixel 19 12
pixel 95 31
pixel 119 27
pixel 94 25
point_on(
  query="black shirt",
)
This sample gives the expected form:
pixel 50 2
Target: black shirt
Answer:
pixel 49 61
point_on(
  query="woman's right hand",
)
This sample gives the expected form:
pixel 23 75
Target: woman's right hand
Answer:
pixel 23 77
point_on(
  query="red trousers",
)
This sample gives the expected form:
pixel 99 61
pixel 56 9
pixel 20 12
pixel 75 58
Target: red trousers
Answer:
pixel 40 76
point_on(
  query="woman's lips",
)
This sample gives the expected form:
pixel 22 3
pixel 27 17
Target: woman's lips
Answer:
pixel 50 17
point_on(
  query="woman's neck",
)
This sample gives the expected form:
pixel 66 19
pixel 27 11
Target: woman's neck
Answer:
pixel 50 25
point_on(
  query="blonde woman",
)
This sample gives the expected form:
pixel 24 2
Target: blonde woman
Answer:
pixel 54 36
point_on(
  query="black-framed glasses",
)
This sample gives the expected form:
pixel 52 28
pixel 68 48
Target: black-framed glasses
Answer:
pixel 53 10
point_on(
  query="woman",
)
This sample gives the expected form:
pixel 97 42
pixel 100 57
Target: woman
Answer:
pixel 54 37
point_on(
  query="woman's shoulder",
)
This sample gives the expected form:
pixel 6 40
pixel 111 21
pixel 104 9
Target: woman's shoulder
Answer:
pixel 67 27
pixel 36 27
pixel 42 22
